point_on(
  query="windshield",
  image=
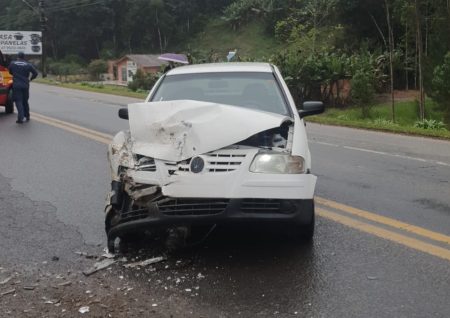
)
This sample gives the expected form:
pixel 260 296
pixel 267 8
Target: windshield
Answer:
pixel 255 90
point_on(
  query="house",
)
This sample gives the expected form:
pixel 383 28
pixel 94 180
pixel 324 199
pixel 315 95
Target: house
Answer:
pixel 124 68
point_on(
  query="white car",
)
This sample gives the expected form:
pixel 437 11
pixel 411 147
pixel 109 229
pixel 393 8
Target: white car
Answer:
pixel 212 143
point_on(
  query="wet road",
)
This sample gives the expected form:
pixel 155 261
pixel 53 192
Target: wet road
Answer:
pixel 382 247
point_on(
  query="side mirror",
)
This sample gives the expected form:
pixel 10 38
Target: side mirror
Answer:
pixel 311 108
pixel 123 113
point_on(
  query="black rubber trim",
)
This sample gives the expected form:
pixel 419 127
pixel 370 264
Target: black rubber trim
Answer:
pixel 233 213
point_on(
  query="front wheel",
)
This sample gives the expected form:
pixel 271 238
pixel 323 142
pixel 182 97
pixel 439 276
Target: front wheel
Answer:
pixel 9 107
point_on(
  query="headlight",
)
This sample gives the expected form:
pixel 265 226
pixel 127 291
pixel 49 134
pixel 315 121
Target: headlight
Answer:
pixel 145 163
pixel 277 163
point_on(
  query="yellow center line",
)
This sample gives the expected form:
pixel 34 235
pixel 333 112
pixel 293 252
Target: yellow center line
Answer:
pixel 76 129
pixel 413 243
pixel 384 220
pixel 386 234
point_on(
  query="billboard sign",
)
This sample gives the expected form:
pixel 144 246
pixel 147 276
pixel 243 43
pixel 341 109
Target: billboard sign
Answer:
pixel 13 42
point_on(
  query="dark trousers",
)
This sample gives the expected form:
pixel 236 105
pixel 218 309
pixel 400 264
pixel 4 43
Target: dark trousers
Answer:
pixel 20 96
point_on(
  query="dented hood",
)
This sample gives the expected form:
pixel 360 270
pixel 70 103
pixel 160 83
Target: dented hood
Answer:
pixel 178 130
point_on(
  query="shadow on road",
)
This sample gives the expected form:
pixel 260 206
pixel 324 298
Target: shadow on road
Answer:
pixel 248 267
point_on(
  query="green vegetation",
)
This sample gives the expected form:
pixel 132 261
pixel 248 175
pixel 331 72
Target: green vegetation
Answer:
pixel 97 88
pixel 441 84
pixel 251 42
pixel 342 52
pixel 380 119
pixel 96 68
pixel 143 81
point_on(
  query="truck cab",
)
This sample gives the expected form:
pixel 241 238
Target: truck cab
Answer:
pixel 6 81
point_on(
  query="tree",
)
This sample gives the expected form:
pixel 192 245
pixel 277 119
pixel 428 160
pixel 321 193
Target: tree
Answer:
pixel 420 60
pixel 441 87
pixel 96 68
pixel 363 91
pixel 391 57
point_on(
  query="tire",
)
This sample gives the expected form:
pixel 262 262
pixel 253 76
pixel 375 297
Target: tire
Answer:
pixel 112 219
pixel 9 107
pixel 303 228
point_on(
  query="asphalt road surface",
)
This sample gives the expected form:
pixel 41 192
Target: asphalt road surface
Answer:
pixel 382 244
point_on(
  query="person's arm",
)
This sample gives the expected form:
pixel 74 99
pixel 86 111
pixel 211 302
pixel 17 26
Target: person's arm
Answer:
pixel 11 68
pixel 34 73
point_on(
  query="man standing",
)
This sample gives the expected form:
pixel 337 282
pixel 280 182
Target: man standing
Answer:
pixel 21 71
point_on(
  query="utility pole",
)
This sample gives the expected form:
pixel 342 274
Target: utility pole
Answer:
pixel 43 21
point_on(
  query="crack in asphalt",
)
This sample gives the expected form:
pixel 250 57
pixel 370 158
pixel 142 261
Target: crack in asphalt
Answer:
pixel 31 232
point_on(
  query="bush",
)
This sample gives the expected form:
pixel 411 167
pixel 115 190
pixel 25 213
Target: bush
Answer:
pixel 64 69
pixel 143 81
pixel 440 84
pixel 96 68
pixel 430 124
pixel 101 86
pixel 363 91
pixel 314 77
pixel 382 122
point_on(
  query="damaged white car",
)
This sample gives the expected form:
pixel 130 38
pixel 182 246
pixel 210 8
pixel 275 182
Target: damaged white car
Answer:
pixel 212 143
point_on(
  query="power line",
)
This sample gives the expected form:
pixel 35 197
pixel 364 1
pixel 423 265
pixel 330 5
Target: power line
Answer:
pixel 71 4
pixel 77 6
pixel 30 6
pixel 65 3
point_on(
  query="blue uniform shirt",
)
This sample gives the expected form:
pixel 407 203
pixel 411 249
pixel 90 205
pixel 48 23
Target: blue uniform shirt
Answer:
pixel 21 70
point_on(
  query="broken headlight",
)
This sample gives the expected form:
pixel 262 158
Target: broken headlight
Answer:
pixel 145 163
pixel 277 163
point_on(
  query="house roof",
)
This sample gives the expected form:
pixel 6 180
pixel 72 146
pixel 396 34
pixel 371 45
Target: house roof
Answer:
pixel 143 60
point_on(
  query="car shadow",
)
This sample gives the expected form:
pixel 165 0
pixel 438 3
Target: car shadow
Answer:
pixel 248 265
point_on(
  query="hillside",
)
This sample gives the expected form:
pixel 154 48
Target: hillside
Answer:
pixel 251 41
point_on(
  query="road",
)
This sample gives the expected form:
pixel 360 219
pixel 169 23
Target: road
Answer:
pixel 382 246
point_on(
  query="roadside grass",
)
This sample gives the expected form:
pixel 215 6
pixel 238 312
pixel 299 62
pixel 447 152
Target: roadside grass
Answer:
pixel 251 42
pixel 97 88
pixel 381 119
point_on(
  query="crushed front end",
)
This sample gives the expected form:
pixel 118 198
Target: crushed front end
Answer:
pixel 256 179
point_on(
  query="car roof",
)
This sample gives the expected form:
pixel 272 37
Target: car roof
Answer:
pixel 222 67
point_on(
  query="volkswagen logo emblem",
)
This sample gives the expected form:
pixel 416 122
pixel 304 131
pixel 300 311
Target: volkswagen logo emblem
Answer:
pixel 197 165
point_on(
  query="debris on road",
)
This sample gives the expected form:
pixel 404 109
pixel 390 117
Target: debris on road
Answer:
pixel 200 276
pixel 3 282
pixel 145 262
pixel 51 301
pixel 83 309
pixel 11 291
pixel 65 283
pixel 107 254
pixel 88 256
pixel 99 266
pixel 30 287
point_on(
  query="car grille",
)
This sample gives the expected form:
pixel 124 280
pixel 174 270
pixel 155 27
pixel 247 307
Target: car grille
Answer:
pixel 223 162
pixel 192 206
pixel 215 162
pixel 134 215
pixel 261 206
